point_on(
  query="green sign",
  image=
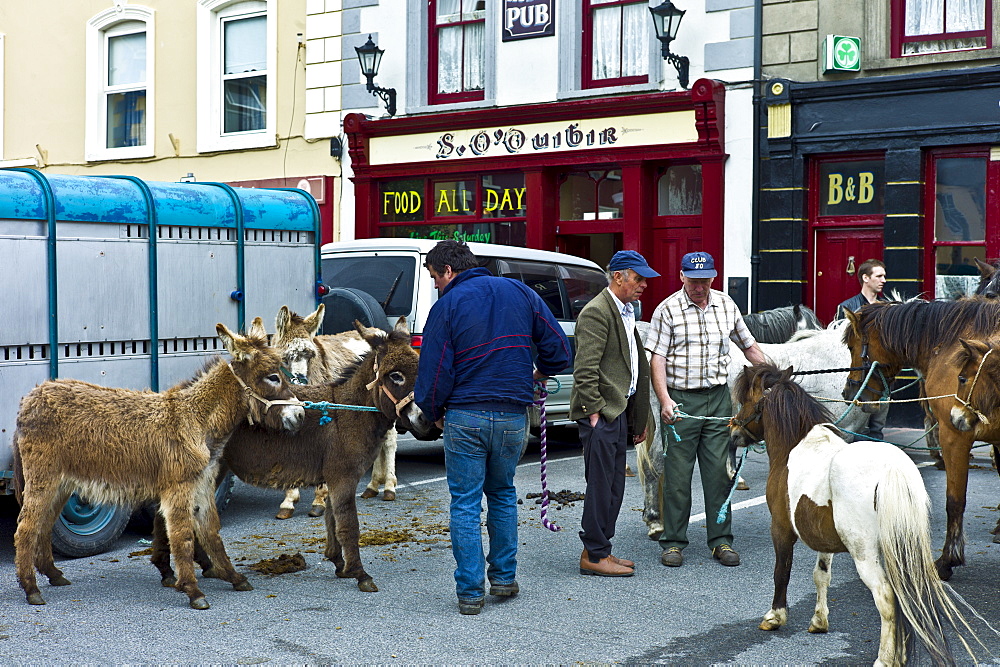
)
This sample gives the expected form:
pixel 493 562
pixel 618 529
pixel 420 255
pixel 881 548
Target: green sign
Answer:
pixel 843 54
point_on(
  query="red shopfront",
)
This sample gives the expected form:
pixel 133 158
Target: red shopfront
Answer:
pixel 585 177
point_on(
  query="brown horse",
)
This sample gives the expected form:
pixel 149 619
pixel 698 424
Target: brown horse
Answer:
pixel 339 452
pixel 122 447
pixel 925 335
pixel 313 359
pixel 865 498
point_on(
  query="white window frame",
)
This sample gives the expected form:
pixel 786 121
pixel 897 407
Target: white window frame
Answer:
pixel 210 80
pixel 98 29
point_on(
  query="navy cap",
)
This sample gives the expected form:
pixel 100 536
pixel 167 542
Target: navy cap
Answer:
pixel 698 265
pixel 630 259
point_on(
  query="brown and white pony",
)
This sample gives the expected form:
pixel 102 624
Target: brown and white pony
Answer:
pixel 124 447
pixel 925 335
pixel 313 359
pixel 865 498
pixel 339 452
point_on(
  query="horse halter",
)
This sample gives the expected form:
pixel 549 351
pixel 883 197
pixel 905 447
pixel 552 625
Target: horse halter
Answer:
pixel 968 403
pixel 252 394
pixel 400 403
pixel 294 378
pixel 755 415
pixel 868 366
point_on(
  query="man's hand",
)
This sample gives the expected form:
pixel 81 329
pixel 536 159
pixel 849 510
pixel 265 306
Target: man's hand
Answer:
pixel 593 419
pixel 440 423
pixel 668 411
pixel 535 375
pixel 636 439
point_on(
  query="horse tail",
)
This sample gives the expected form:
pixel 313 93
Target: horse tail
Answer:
pixel 18 470
pixel 921 601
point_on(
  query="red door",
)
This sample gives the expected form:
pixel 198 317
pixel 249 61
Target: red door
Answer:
pixel 836 255
pixel 669 245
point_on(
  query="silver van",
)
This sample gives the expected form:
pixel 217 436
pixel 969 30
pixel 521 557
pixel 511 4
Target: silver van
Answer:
pixel 385 278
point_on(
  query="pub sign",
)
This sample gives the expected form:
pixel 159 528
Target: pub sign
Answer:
pixel 524 19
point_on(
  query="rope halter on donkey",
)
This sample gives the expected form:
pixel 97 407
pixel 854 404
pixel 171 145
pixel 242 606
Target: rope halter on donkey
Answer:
pixel 252 394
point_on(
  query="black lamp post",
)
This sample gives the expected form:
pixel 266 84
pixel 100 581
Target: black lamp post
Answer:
pixel 667 19
pixel 370 57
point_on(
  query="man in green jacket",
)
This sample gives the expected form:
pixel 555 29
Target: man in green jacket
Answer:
pixel 610 402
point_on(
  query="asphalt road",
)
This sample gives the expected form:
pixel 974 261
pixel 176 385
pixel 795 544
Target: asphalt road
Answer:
pixel 701 613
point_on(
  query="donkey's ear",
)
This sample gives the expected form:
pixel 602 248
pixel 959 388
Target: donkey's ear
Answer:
pixel 371 335
pixel 787 373
pixel 235 344
pixel 257 329
pixel 401 325
pixel 973 346
pixel 282 320
pixel 315 320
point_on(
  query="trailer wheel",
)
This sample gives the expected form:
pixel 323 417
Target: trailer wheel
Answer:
pixel 85 529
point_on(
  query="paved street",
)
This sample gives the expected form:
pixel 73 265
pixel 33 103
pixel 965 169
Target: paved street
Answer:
pixel 701 613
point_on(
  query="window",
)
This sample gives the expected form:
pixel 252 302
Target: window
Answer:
pixel 678 191
pixel 236 84
pixel 615 43
pixel 119 117
pixel 591 195
pixel 457 62
pixel 959 221
pixel 935 26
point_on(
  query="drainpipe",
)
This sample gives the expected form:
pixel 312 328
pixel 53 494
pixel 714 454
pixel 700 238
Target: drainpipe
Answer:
pixel 758 87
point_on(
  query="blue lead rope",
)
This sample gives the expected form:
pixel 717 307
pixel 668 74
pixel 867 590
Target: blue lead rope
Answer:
pixel 325 407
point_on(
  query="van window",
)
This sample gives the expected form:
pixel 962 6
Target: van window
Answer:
pixel 543 278
pixel 379 276
pixel 582 285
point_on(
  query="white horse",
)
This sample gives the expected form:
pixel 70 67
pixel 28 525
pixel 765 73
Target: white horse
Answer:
pixel 808 350
pixel 866 498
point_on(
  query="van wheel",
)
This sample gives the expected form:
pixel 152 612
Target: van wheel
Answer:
pixel 346 304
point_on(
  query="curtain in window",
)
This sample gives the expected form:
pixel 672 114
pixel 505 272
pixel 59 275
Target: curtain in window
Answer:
pixel 244 104
pixel 449 11
pixel 126 119
pixel 924 17
pixel 635 20
pixel 607 35
pixel 450 60
pixel 246 45
pixel 474 34
pixel 966 15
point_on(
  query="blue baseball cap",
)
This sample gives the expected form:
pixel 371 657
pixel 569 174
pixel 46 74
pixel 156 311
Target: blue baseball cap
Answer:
pixel 698 265
pixel 630 259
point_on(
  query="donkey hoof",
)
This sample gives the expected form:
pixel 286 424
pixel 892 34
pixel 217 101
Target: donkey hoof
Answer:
pixel 35 598
pixel 168 582
pixel 212 573
pixel 317 510
pixel 59 581
pixel 367 585
pixel 242 586
pixel 369 493
pixel 816 630
pixel 284 513
pixel 388 495
pixel 199 603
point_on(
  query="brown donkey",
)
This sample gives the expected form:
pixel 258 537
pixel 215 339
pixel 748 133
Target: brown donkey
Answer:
pixel 313 359
pixel 337 452
pixel 122 447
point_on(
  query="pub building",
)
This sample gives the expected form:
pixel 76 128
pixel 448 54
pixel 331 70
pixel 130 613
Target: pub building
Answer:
pixel 587 177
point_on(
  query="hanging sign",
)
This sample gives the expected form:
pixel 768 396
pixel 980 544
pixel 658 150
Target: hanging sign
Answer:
pixel 842 54
pixel 524 19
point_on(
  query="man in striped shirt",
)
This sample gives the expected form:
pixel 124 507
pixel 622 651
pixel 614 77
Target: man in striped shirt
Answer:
pixel 689 337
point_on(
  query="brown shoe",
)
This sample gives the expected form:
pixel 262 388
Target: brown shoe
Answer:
pixel 672 557
pixel 725 555
pixel 614 559
pixel 604 567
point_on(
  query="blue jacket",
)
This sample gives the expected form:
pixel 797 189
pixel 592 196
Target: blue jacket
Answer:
pixel 476 350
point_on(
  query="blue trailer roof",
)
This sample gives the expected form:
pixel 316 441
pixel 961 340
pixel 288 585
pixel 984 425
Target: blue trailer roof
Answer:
pixel 121 200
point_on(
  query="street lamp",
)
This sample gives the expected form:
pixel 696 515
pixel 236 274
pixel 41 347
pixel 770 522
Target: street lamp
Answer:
pixel 666 20
pixel 370 57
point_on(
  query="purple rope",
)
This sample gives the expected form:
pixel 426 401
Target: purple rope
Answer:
pixel 544 457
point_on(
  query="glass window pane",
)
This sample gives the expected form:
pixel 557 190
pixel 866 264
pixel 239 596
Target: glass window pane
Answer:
pixel 503 196
pixel 450 60
pixel 127 59
pixel 924 17
pixel 454 198
pixel 582 285
pixel 377 276
pixel 126 119
pixel 963 15
pixel 543 278
pixel 449 11
pixel 245 45
pixel 473 56
pixel 578 197
pixel 679 191
pixel 607 43
pixel 960 193
pixel 402 201
pixel 610 195
pixel 957 275
pixel 244 104
pixel 635 39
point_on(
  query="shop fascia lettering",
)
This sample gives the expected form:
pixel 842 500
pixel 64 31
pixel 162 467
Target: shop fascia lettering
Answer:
pixel 457 235
pixel 449 201
pixel 840 189
pixel 515 140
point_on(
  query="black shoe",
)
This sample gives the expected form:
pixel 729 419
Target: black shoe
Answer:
pixel 672 557
pixel 505 590
pixel 469 607
pixel 725 555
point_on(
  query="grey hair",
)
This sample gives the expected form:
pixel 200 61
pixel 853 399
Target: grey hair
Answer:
pixel 628 273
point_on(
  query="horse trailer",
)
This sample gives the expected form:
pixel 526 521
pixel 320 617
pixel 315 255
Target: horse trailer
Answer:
pixel 120 282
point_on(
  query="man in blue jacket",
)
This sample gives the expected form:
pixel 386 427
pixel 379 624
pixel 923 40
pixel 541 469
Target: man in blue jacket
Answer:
pixel 475 362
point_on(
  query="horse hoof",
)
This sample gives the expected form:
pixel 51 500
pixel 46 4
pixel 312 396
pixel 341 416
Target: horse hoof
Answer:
pixel 59 581
pixel 168 582
pixel 996 538
pixel 284 514
pixel 369 493
pixel 742 485
pixel 944 571
pixel 35 598
pixel 769 625
pixel 317 510
pixel 243 586
pixel 388 495
pixel 368 586
pixel 199 603
pixel 815 629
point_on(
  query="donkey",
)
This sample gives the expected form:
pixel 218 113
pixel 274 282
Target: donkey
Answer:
pixel 337 452
pixel 313 359
pixel 122 447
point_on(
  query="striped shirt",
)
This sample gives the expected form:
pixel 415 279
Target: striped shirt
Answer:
pixel 695 342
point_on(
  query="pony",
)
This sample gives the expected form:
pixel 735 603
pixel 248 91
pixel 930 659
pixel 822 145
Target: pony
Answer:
pixel 926 335
pixel 808 350
pixel 312 359
pixel 865 498
pixel 335 452
pixel 122 447
pixel 778 325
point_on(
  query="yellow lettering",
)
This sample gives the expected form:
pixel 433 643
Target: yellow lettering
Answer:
pixel 443 200
pixel 836 193
pixel 865 190
pixel 465 201
pixel 385 202
pixel 492 201
pixel 520 197
pixel 506 204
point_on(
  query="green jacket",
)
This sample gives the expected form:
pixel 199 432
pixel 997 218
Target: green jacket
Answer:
pixel 601 372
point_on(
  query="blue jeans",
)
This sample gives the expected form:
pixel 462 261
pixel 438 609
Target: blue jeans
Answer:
pixel 481 451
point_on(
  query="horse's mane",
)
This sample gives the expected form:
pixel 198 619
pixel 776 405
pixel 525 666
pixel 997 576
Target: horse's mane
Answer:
pixel 786 405
pixel 352 367
pixel 916 327
pixel 779 324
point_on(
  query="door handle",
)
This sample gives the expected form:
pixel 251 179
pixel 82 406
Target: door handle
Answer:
pixel 850 265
